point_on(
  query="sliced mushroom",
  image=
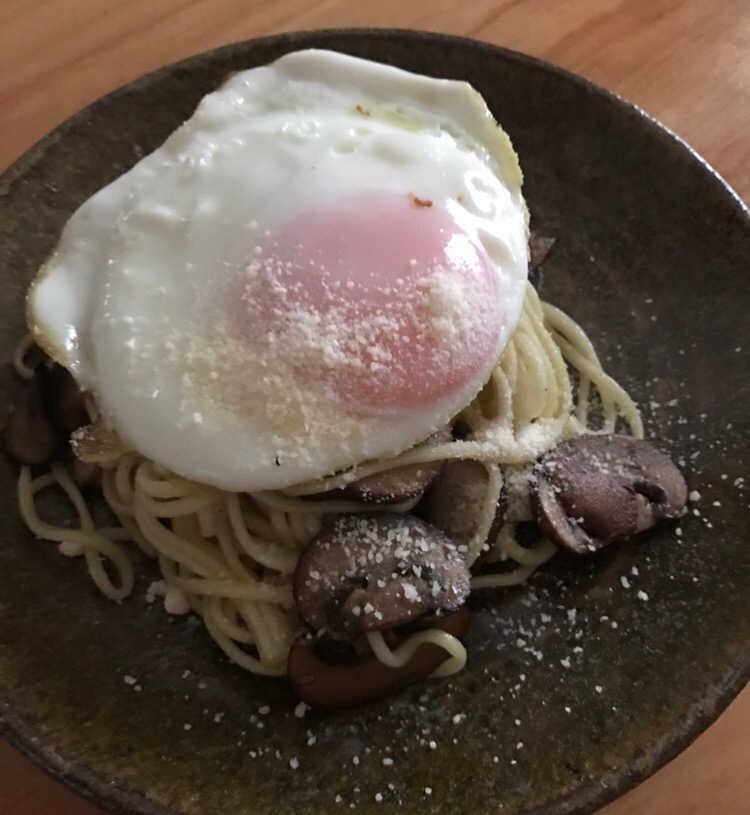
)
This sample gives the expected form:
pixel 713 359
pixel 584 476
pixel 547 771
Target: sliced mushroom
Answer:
pixel 50 409
pixel 400 484
pixel 87 476
pixel 539 248
pixel 65 401
pixel 329 685
pixel 595 489
pixel 29 435
pixel 453 502
pixel 375 572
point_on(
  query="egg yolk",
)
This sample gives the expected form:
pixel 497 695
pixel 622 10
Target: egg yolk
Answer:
pixel 382 299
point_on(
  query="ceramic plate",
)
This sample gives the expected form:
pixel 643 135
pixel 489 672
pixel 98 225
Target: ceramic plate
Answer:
pixel 579 684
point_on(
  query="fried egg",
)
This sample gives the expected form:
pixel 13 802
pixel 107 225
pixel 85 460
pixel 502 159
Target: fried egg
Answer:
pixel 320 267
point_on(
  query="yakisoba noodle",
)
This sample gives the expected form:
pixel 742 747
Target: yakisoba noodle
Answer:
pixel 232 555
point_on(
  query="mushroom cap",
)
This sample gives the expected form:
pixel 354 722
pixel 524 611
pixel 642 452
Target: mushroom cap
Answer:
pixel 598 488
pixel 375 572
pixel 323 684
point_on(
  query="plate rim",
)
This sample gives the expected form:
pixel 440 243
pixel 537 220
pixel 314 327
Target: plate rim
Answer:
pixel 19 728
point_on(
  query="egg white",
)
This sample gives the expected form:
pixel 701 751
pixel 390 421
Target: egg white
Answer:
pixel 133 300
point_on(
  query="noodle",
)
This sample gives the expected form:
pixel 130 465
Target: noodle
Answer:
pixel 401 655
pixel 232 556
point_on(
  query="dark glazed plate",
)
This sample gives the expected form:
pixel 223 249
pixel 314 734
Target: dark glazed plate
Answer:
pixel 579 684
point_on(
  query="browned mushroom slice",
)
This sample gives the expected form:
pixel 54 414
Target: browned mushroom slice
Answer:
pixel 29 435
pixel 539 248
pixel 399 484
pixel 65 401
pixel 595 489
pixel 323 684
pixel 454 501
pixel 87 476
pixel 375 572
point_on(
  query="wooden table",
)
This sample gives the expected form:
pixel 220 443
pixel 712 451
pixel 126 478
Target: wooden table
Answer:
pixel 685 61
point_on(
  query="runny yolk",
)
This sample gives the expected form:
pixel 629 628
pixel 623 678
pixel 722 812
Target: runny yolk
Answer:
pixel 382 299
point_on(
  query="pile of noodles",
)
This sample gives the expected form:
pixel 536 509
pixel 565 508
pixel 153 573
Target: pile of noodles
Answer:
pixel 230 556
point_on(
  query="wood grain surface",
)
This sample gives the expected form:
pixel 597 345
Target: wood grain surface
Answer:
pixel 687 62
